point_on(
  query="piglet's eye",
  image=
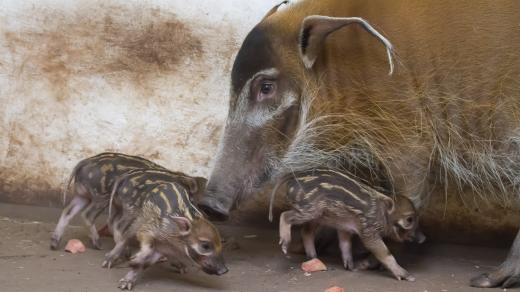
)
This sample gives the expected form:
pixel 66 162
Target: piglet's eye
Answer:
pixel 409 220
pixel 205 246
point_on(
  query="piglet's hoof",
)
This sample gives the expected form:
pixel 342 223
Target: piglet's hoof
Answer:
pixel 179 268
pixel 107 264
pixel 125 284
pixel 96 244
pixel 349 265
pixel 54 243
pixel 407 277
pixel 284 244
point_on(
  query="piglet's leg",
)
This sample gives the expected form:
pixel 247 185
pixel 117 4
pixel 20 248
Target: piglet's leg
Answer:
pixel 285 230
pixel 122 233
pixel 308 236
pixel 77 204
pixel 89 216
pixel 345 245
pixel 146 257
pixel 287 219
pixel 128 282
pixel 115 253
pixel 377 247
pixel 178 265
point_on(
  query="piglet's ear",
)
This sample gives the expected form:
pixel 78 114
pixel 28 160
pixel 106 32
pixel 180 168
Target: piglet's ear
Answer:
pixel 201 184
pixel 183 225
pixel 192 185
pixel 316 28
pixel 274 9
pixel 389 203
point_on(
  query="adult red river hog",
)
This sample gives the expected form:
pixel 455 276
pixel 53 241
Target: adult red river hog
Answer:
pixel 310 87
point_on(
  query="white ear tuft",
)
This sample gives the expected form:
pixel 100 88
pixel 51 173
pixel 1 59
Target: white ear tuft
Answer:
pixel 316 28
pixel 274 9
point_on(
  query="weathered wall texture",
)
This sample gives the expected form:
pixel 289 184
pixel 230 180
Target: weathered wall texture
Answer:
pixel 80 77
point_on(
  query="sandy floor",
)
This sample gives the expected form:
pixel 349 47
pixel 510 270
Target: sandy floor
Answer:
pixel 255 263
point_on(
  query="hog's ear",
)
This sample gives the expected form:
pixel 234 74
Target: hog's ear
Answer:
pixel 183 225
pixel 274 9
pixel 316 28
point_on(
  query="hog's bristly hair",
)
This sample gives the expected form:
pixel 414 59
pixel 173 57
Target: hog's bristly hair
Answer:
pixel 355 139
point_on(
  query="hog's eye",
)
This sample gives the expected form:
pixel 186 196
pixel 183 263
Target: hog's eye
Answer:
pixel 409 220
pixel 265 89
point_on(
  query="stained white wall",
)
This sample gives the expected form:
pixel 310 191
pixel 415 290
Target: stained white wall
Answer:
pixel 143 77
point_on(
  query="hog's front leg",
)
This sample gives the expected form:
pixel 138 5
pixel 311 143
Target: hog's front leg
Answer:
pixel 508 273
pixel 378 248
pixel 287 219
pixel 345 245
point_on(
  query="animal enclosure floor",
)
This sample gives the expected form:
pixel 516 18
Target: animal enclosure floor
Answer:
pixel 255 262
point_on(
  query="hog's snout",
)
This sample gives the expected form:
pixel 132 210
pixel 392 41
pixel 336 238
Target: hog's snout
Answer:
pixel 214 208
pixel 218 200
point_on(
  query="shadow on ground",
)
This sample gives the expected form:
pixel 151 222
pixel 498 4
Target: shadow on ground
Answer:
pixel 254 260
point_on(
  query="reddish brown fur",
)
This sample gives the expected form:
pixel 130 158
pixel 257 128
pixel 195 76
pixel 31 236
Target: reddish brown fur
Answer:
pixel 448 116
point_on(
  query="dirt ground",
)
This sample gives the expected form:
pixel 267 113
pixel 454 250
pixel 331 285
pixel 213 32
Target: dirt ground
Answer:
pixel 255 263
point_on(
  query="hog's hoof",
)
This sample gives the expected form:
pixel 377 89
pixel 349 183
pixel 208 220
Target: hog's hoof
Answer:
pixel 499 278
pixel 125 284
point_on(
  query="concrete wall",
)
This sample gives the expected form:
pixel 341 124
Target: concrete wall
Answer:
pixel 143 77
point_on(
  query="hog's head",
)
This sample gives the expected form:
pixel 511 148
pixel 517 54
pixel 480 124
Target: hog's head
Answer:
pixel 271 73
